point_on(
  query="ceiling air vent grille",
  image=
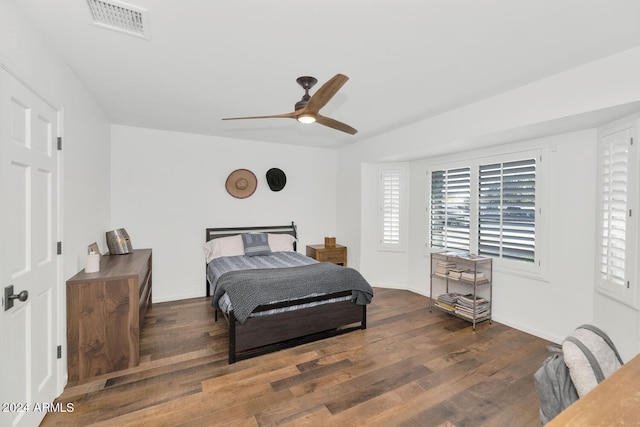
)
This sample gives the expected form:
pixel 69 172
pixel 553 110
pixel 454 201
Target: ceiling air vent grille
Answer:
pixel 119 16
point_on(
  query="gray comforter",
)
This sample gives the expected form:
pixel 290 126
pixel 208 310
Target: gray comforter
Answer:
pixel 247 289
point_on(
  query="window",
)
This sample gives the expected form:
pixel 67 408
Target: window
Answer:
pixel 391 182
pixel 450 208
pixel 490 208
pixel 616 169
pixel 507 210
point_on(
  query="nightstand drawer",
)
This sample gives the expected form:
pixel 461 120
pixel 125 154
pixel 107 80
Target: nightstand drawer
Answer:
pixel 335 256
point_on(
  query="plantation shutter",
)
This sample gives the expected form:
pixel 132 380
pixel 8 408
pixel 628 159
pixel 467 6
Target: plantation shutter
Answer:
pixel 614 184
pixel 450 208
pixel 390 206
pixel 506 204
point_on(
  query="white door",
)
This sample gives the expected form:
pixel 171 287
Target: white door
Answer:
pixel 28 252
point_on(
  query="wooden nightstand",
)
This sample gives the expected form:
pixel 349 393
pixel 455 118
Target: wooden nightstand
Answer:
pixel 336 254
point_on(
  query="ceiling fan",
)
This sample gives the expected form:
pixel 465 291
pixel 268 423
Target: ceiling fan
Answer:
pixel 307 109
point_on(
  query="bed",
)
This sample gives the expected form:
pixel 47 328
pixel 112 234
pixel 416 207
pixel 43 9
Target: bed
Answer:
pixel 272 297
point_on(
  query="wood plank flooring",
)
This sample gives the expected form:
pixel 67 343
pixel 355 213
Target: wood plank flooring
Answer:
pixel 409 367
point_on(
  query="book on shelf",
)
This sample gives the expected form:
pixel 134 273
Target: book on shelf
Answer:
pixel 470 276
pixel 449 298
pixel 465 305
pixel 468 299
pixel 479 309
pixel 470 316
pixel 445 306
pixel 471 257
pixel 456 273
pixel 455 253
pixel 443 267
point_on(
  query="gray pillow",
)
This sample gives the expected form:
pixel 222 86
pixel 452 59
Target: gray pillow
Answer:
pixel 256 244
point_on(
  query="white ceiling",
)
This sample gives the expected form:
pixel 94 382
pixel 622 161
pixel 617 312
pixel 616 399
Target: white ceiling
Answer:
pixel 406 60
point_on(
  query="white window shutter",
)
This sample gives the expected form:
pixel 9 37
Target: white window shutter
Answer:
pixel 449 210
pixel 507 210
pixel 613 207
pixel 390 206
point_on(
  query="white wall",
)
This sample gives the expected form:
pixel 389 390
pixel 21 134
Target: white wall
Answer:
pixel 577 99
pixel 85 131
pixel 386 268
pixel 167 187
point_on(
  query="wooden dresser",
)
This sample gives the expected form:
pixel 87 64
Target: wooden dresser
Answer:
pixel 336 254
pixel 105 313
pixel 613 402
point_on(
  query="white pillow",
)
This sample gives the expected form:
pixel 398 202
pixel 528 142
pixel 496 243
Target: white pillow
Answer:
pixel 580 369
pixel 223 246
pixel 281 242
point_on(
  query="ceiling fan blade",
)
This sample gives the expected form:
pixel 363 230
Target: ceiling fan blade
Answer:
pixel 327 121
pixel 291 115
pixel 325 93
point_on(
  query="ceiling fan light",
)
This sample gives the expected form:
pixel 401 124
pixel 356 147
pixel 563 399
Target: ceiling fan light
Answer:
pixel 306 118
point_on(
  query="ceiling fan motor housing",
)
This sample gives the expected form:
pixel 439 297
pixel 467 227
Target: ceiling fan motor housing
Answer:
pixel 306 82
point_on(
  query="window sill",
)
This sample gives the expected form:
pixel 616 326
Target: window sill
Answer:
pixel 533 272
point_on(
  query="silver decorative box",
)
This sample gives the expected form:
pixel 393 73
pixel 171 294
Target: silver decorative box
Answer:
pixel 118 242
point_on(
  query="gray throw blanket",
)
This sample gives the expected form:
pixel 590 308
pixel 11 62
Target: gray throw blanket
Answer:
pixel 247 289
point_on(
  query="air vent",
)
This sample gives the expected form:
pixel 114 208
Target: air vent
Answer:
pixel 119 16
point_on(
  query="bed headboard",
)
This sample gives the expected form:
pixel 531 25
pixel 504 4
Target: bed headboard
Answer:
pixel 212 233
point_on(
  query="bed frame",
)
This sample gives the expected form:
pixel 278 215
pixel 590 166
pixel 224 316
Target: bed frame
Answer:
pixel 265 334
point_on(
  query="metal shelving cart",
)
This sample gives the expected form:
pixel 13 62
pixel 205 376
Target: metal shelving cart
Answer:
pixel 473 273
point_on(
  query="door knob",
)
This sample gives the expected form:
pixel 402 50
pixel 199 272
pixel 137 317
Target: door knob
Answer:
pixel 9 296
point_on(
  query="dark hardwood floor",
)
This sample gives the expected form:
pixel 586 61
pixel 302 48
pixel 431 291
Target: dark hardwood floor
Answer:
pixel 409 367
